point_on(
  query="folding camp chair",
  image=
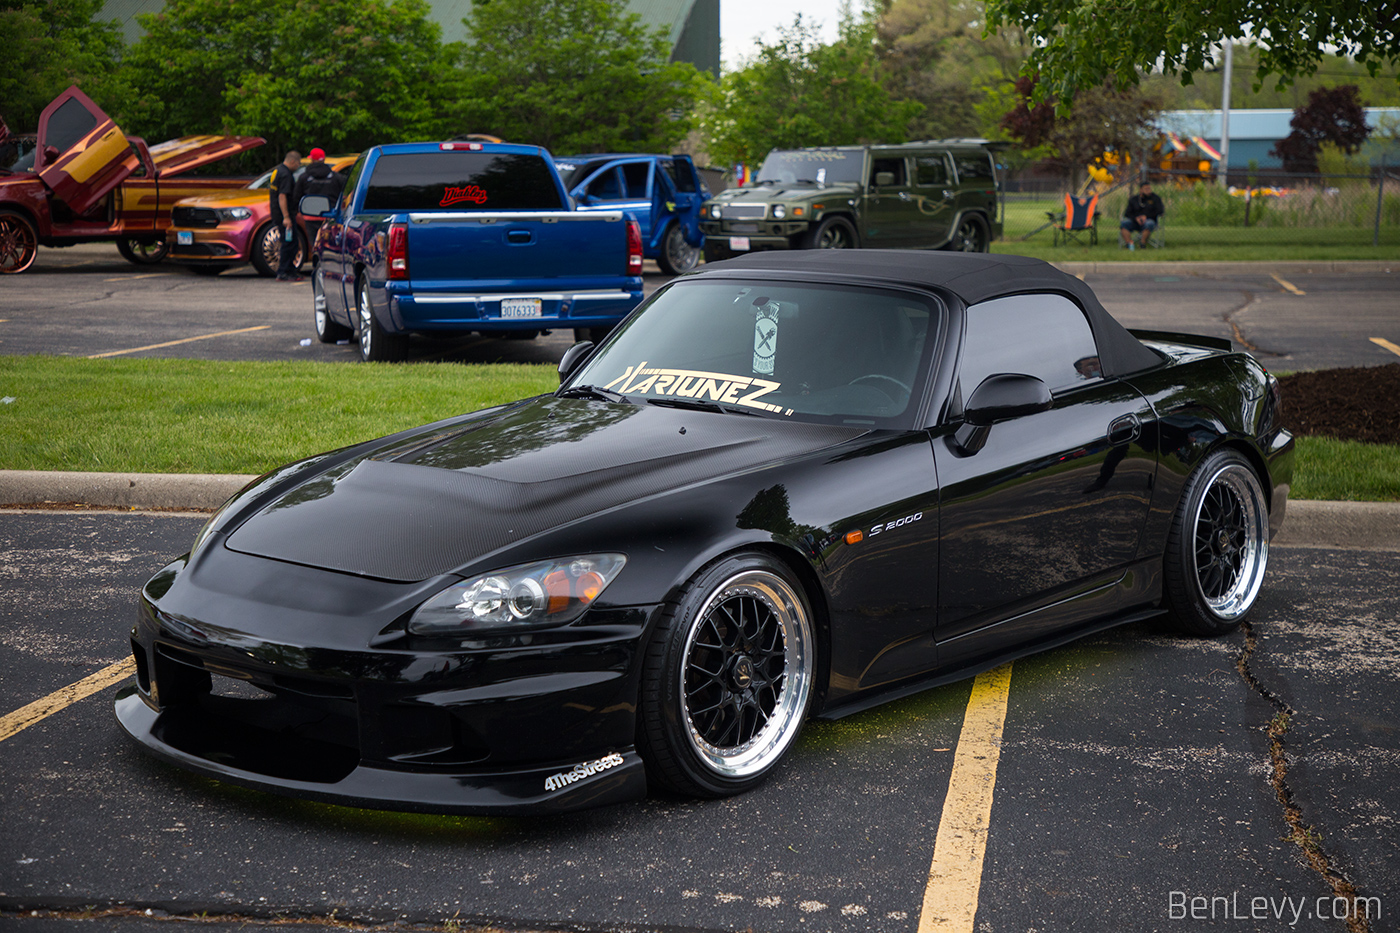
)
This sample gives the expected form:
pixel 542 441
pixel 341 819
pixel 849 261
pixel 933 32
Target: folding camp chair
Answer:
pixel 1080 217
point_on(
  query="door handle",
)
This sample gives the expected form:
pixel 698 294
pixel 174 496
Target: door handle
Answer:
pixel 1124 430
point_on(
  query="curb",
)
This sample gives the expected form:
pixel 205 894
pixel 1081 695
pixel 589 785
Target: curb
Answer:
pixel 1307 523
pixel 1187 267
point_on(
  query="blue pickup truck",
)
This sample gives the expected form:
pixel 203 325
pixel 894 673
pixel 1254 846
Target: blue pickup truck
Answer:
pixel 662 192
pixel 457 237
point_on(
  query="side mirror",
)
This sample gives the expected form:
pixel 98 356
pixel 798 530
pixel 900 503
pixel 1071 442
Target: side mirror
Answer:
pixel 573 358
pixel 999 397
pixel 316 205
pixel 884 179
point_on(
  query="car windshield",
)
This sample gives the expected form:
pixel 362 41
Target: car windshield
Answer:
pixel 827 353
pixel 812 166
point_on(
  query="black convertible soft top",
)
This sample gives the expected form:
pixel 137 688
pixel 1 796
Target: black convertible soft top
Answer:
pixel 972 277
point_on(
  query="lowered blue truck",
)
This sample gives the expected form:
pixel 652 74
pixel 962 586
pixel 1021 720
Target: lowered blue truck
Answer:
pixel 663 193
pixel 457 237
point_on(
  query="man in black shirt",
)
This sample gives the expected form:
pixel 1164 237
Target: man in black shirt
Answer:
pixel 317 179
pixel 1140 216
pixel 281 190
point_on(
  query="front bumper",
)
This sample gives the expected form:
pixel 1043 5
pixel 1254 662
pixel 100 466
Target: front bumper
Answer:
pixel 223 244
pixel 520 724
pixel 761 234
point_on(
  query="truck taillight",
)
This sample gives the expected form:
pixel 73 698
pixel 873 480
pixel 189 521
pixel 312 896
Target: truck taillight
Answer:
pixel 398 251
pixel 634 248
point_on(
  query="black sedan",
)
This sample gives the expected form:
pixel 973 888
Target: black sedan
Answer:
pixel 788 485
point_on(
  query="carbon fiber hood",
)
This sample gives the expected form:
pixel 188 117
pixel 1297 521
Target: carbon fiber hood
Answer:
pixel 426 506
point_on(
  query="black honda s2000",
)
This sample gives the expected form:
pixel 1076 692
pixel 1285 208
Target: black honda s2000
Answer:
pixel 789 485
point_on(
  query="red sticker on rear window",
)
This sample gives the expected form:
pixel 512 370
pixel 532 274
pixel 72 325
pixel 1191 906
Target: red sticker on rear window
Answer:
pixel 452 195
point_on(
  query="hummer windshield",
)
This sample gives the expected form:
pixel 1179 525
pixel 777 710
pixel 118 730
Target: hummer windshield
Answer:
pixel 820 167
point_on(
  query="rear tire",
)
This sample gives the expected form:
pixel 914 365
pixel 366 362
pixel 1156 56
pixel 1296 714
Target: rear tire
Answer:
pixel 1218 548
pixel 142 252
pixel 376 346
pixel 677 255
pixel 971 236
pixel 19 243
pixel 727 678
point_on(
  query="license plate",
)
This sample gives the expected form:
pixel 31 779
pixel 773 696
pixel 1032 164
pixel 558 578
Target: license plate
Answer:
pixel 184 237
pixel 520 307
pixel 738 242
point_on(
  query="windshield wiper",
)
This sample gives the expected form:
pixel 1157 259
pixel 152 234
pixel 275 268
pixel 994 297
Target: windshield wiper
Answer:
pixel 694 404
pixel 598 392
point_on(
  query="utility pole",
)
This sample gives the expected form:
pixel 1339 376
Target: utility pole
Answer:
pixel 1225 113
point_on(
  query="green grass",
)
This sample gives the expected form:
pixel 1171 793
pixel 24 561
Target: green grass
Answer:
pixel 199 416
pixel 1195 243
pixel 1331 469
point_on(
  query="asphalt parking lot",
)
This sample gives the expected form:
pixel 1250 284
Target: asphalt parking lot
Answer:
pixel 1135 770
pixel 1141 781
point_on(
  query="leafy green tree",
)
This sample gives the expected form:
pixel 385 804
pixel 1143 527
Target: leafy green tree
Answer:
pixel 49 45
pixel 1204 93
pixel 935 52
pixel 1082 43
pixel 339 74
pixel 574 76
pixel 799 92
pixel 1333 116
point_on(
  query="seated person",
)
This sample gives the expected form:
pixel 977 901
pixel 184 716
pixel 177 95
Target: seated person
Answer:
pixel 1140 216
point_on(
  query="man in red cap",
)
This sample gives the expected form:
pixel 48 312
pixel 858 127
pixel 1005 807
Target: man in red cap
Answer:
pixel 318 179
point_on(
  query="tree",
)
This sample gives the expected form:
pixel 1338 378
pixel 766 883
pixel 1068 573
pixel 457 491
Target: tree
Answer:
pixel 799 92
pixel 574 76
pixel 1100 120
pixel 338 74
pixel 1330 116
pixel 1083 43
pixel 49 46
pixel 934 52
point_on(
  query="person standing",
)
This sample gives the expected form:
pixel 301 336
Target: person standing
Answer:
pixel 281 190
pixel 318 179
pixel 1141 215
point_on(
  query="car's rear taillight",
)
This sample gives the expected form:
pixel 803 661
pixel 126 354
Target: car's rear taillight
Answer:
pixel 634 248
pixel 398 251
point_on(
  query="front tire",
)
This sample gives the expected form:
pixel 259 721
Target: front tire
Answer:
pixel 267 250
pixel 19 243
pixel 716 249
pixel 1218 548
pixel 376 346
pixel 327 330
pixel 142 252
pixel 677 255
pixel 727 679
pixel 971 236
pixel 832 233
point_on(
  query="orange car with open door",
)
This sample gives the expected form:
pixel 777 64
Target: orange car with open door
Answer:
pixel 80 179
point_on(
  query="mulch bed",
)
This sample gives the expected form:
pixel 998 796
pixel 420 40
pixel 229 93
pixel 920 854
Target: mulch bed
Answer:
pixel 1359 404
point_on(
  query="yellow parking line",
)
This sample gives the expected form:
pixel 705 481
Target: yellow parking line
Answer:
pixel 955 877
pixel 26 716
pixel 171 343
pixel 128 278
pixel 1287 285
pixel 1381 341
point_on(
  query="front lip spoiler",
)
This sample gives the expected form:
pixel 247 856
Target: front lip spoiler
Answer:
pixel 480 793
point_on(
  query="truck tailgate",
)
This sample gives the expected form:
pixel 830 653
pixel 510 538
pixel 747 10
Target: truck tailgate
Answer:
pixel 450 249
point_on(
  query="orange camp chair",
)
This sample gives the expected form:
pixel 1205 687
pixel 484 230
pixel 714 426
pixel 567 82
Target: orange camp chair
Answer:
pixel 1080 216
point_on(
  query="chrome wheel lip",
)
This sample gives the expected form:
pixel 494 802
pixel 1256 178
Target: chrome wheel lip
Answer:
pixel 772 741
pixel 366 317
pixel 1252 549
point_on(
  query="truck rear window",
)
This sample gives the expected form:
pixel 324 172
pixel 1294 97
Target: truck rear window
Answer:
pixel 461 181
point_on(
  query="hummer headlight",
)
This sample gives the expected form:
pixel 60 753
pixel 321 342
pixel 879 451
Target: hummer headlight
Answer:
pixel 716 213
pixel 779 212
pixel 553 592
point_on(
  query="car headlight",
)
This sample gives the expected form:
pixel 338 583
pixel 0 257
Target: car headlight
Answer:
pixel 234 213
pixel 716 213
pixel 779 212
pixel 552 592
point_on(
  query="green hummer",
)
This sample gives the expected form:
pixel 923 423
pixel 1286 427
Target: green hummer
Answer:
pixel 938 194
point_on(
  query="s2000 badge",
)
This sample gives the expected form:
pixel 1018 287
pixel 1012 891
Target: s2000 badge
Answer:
pixel 581 771
pixel 765 338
